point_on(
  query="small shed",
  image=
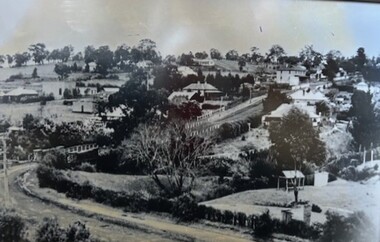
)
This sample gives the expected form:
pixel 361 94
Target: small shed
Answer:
pixel 293 177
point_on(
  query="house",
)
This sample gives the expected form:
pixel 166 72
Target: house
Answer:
pixel 206 90
pixel 57 88
pixel 308 97
pixel 283 110
pixel 83 106
pixel 18 94
pixel 204 62
pixel 182 96
pixel 291 75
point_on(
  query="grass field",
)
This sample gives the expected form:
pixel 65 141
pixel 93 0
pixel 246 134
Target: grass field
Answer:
pixel 53 110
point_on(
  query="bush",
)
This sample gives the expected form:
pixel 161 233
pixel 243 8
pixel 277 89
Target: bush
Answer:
pixel 78 232
pixel 50 231
pixel 185 208
pixel 12 227
pixel 85 166
pixel 315 208
pixel 355 228
pixel 264 225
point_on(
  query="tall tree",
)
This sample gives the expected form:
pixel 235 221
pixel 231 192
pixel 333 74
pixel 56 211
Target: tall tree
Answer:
pixel 201 55
pixel 62 70
pixel 295 141
pixel 309 57
pixel 360 58
pixel 21 59
pixel 331 68
pixel 9 60
pixel 66 53
pixel 215 54
pixel 122 56
pixel 255 55
pixel 365 123
pixel 275 52
pixel 39 52
pixel 103 59
pixel 232 55
pixel 2 59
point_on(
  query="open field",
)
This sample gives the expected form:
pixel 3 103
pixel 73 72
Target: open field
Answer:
pixel 53 110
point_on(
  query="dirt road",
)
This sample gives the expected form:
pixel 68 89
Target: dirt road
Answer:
pixel 134 227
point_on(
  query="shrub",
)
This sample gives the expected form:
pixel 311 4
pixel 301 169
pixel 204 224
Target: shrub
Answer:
pixel 355 227
pixel 78 232
pixel 12 227
pixel 264 225
pixel 220 191
pixel 85 166
pixel 315 208
pixel 185 208
pixel 50 231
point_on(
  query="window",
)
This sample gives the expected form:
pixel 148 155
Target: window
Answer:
pixel 60 91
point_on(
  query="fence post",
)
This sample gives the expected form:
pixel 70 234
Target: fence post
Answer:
pixel 364 156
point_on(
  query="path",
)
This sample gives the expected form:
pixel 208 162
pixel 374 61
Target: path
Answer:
pixel 135 227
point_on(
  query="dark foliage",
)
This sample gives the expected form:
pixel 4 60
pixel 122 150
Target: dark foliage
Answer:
pixel 12 226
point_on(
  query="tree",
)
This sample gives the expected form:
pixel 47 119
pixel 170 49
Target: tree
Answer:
pixel 186 59
pixel 215 54
pixel 147 47
pixel 103 59
pixel 89 54
pixel 171 153
pixel 34 74
pixel 54 55
pixel 78 56
pixel 275 52
pixel 138 105
pixel 290 60
pixel 274 99
pixel 330 70
pixel 201 55
pixel 21 59
pixel 9 60
pixel 66 52
pixel 62 70
pixel 360 58
pixel 2 59
pixel 241 64
pixel 232 55
pixel 365 123
pixel 310 57
pixel 12 226
pixel 122 56
pixel 185 111
pixel 39 52
pixel 255 55
pixel 295 141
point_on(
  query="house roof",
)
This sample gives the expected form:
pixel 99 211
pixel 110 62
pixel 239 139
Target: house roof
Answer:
pixel 186 94
pixel 111 89
pixel 201 86
pixel 284 109
pixel 311 95
pixel 21 91
pixel 291 174
pixel 185 71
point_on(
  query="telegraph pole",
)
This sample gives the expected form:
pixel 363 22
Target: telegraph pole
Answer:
pixel 6 186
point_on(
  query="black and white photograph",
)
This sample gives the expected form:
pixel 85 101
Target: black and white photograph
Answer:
pixel 189 120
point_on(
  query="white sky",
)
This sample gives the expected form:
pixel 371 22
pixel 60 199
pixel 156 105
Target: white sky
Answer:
pixel 179 26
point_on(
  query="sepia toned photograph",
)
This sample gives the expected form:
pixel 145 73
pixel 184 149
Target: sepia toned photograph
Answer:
pixel 189 120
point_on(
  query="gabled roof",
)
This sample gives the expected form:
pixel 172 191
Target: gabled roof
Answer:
pixel 294 68
pixel 186 94
pixel 311 95
pixel 292 174
pixel 201 86
pixel 21 91
pixel 185 71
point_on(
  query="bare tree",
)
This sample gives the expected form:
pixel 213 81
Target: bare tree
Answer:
pixel 172 154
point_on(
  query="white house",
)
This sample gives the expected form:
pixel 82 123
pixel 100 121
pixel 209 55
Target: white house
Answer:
pixel 308 97
pixel 291 75
pixel 204 62
pixel 18 94
pixel 185 71
pixel 283 110
pixel 144 64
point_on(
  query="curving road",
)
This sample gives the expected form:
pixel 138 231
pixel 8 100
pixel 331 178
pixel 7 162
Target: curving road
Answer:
pixel 134 229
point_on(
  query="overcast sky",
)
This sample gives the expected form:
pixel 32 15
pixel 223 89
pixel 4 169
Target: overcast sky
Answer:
pixel 179 26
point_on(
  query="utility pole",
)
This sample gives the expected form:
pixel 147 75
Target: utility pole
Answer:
pixel 6 186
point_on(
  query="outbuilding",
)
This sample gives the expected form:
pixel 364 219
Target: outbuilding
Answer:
pixel 291 178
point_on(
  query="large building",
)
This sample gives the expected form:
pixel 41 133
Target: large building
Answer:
pixel 17 95
pixel 57 88
pixel 308 97
pixel 291 75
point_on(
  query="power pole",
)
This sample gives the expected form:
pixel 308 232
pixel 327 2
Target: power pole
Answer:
pixel 6 186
